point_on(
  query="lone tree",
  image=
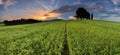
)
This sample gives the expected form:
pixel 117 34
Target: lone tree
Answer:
pixel 82 13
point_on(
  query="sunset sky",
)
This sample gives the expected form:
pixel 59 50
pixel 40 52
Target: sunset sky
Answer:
pixel 62 9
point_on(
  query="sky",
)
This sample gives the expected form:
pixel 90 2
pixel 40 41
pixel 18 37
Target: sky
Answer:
pixel 61 9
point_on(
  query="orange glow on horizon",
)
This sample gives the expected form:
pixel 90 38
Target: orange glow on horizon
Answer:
pixel 45 15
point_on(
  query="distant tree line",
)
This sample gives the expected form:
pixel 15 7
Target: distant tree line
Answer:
pixel 20 21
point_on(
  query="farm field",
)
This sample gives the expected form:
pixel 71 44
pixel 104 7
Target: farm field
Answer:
pixel 78 37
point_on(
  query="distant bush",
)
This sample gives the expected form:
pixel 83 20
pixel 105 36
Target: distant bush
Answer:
pixel 20 21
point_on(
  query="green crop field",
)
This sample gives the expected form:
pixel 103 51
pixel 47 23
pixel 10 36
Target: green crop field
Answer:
pixel 78 37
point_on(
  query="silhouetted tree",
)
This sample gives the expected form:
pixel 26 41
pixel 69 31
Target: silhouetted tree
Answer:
pixel 6 22
pixel 82 13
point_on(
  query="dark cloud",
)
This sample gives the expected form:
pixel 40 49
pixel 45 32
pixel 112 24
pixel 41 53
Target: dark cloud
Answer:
pixel 68 8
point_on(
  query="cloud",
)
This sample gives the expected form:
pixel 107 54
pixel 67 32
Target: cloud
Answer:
pixel 117 9
pixel 78 2
pixel 96 7
pixel 89 7
pixel 9 3
pixel 68 8
pixel 116 2
pixel 1 2
pixel 53 1
pixel 116 18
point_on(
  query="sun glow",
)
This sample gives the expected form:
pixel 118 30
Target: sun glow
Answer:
pixel 44 17
pixel 45 14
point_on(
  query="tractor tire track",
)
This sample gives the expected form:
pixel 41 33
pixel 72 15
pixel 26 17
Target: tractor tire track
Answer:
pixel 65 43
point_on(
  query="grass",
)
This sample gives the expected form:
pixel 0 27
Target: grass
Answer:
pixel 83 37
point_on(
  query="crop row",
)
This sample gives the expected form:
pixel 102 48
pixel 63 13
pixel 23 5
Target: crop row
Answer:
pixel 93 38
pixel 35 39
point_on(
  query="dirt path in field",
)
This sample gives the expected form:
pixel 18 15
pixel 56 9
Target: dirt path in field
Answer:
pixel 65 43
